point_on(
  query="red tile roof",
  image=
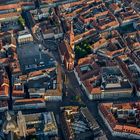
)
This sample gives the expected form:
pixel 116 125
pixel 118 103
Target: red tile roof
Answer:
pixel 105 107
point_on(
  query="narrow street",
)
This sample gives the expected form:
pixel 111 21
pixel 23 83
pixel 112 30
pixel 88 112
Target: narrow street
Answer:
pixel 91 105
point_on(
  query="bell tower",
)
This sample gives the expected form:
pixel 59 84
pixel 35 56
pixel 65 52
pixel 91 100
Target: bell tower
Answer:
pixel 71 35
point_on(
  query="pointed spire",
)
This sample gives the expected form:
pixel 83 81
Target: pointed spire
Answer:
pixel 71 27
pixel 71 35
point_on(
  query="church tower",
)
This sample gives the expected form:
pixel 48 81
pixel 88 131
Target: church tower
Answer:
pixel 71 35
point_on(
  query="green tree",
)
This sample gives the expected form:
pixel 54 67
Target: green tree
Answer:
pixel 22 21
pixel 83 53
pixel 50 11
pixel 88 49
pixel 77 98
pixel 82 49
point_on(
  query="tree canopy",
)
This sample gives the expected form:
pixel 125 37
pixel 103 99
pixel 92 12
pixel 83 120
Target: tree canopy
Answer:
pixel 22 21
pixel 82 49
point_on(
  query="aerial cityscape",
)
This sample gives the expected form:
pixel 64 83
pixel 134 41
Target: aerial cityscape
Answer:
pixel 69 69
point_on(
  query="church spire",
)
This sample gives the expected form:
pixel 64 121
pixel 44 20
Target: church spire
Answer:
pixel 71 34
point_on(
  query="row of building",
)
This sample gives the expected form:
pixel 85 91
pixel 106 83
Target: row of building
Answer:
pixel 29 75
pixel 79 124
pixel 88 19
pixel 121 119
pixel 111 71
pixel 29 124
